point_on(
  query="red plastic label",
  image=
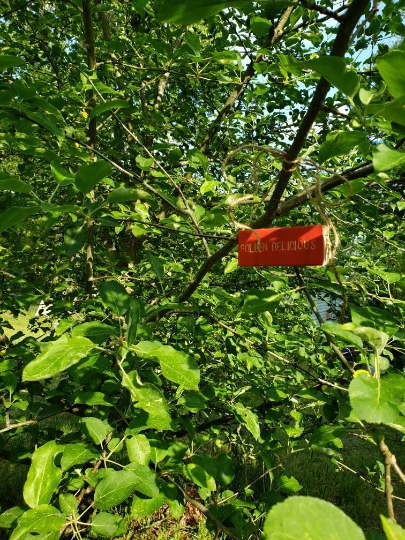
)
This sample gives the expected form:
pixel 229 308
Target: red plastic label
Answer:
pixel 283 246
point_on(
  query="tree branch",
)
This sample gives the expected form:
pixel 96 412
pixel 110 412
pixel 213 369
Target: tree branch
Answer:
pixel 321 9
pixel 388 462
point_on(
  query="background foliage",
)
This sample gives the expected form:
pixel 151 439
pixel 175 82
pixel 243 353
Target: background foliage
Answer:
pixel 137 137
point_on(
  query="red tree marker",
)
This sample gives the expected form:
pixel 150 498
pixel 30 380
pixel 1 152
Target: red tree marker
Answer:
pixel 283 246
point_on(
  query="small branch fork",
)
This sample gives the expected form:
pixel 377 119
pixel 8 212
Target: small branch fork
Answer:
pixel 390 463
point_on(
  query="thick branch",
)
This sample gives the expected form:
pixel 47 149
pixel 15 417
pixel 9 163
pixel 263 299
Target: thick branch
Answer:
pixel 339 47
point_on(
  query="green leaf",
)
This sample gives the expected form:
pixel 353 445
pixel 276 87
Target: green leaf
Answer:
pixel 13 184
pixel 133 318
pixel 226 469
pixel 177 366
pixel 60 209
pixel 89 175
pixel 75 239
pixel 63 177
pixel 58 356
pixel 43 476
pixel 288 485
pixel 108 106
pixel 313 519
pixel 377 339
pixel 156 264
pixel 259 300
pixel 371 316
pixel 260 26
pixel 104 525
pixel 199 476
pixel 394 111
pixel 121 195
pixel 145 507
pixel 96 331
pixel 192 11
pixel 9 517
pixel 385 158
pixel 231 266
pixel 114 489
pixel 14 214
pixel 326 434
pixel 94 429
pixel 93 398
pixel 78 453
pixel 43 519
pixel 392 69
pixel 144 163
pixel 68 503
pixel 138 449
pixel 392 530
pixel 249 419
pixel 42 120
pixel 377 400
pixel 193 401
pixel 115 296
pixel 7 61
pixel 335 329
pixel 149 398
pixel 147 483
pixel 340 143
pixel 334 70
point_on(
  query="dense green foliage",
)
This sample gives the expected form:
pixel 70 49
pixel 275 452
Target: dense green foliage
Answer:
pixel 134 148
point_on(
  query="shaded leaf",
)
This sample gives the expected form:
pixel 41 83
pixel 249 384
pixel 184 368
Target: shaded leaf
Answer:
pixel 14 214
pixel 258 300
pixel 7 61
pixel 108 106
pixel 13 184
pixel 115 296
pixel 89 175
